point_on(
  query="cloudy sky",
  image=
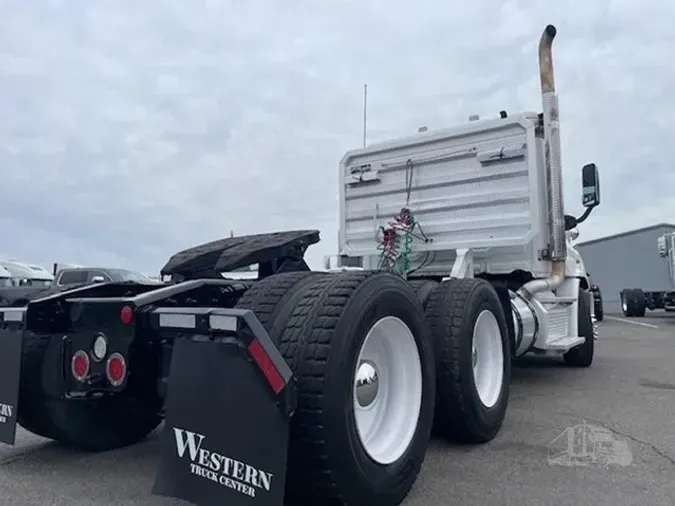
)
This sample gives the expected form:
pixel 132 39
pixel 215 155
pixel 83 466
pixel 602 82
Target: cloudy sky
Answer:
pixel 129 130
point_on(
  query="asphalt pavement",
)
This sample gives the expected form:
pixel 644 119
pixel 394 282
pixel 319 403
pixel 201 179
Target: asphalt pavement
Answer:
pixel 626 400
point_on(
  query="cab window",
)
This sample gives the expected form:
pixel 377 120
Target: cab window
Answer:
pixel 73 277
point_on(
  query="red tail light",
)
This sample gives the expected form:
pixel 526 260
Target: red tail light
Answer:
pixel 79 365
pixel 266 365
pixel 116 369
pixel 127 315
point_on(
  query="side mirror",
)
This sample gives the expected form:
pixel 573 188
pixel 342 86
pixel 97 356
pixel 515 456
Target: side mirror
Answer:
pixel 590 181
pixel 97 279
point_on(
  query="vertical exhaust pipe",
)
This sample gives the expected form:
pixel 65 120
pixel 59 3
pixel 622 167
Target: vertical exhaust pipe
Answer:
pixel 553 167
pixel 552 144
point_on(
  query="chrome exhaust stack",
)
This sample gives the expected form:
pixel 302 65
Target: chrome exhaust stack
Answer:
pixel 553 167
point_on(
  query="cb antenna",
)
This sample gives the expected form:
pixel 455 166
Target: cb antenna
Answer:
pixel 365 112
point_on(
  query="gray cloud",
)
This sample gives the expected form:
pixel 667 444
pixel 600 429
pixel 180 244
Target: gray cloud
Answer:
pixel 132 129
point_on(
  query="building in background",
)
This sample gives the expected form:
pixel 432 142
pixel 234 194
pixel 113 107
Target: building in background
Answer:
pixel 627 260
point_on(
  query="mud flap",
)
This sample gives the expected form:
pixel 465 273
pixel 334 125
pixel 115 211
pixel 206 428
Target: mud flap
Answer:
pixel 11 337
pixel 230 399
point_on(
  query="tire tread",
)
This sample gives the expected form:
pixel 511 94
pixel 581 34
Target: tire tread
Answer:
pixel 445 313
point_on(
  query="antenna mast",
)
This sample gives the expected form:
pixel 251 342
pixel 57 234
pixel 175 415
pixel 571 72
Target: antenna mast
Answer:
pixel 365 112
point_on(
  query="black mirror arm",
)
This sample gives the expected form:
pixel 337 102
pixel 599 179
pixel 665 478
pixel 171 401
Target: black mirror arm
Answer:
pixel 571 222
pixel 586 214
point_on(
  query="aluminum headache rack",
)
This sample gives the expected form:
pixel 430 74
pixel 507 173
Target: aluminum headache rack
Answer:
pixel 231 397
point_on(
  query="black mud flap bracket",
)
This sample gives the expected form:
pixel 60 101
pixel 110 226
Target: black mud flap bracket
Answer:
pixel 11 338
pixel 230 399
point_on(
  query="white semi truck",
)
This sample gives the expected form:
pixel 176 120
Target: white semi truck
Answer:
pixel 26 274
pixel 488 203
pixel 306 387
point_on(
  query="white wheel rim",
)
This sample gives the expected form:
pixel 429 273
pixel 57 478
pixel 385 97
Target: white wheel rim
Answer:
pixel 487 357
pixel 387 394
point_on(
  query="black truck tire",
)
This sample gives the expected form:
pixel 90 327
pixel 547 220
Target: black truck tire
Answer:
pixel 640 302
pixel 582 355
pixel 633 302
pixel 461 313
pixel 91 425
pixel 627 304
pixel 33 415
pixel 599 311
pixel 323 342
pixel 102 424
pixel 423 289
pixel 274 298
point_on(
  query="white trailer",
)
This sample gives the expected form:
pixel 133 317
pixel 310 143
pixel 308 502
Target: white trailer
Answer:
pixel 635 301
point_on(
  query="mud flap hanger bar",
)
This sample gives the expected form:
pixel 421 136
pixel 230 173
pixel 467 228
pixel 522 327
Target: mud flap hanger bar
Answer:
pixel 244 327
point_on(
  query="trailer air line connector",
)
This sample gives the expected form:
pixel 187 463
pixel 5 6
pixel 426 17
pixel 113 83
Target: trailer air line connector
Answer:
pixel 553 165
pixel 396 240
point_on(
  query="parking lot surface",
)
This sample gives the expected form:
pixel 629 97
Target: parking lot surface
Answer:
pixel 628 395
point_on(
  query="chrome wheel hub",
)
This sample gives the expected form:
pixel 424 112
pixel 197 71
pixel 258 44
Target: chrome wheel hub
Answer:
pixel 367 384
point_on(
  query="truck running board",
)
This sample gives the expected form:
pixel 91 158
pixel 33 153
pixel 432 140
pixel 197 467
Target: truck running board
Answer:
pixel 11 333
pixel 230 399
